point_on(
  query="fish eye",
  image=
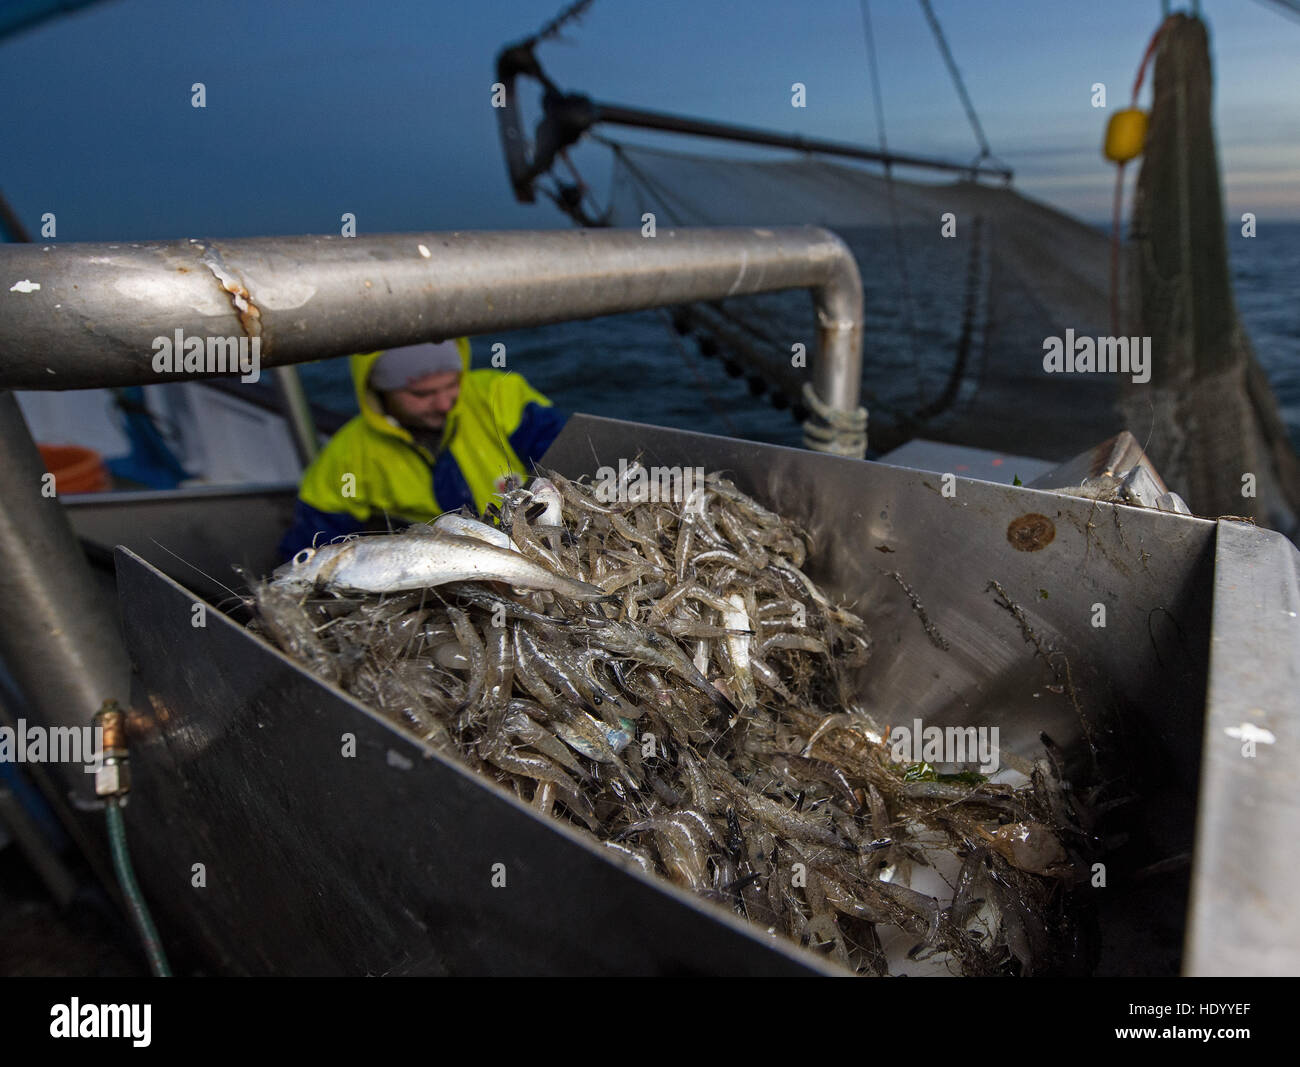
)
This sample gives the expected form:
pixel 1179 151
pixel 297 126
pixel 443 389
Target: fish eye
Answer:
pixel 303 556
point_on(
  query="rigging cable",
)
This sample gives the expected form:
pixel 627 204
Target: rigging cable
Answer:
pixel 569 198
pixel 675 216
pixel 904 274
pixel 985 151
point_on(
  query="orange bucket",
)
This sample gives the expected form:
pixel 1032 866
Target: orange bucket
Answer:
pixel 75 469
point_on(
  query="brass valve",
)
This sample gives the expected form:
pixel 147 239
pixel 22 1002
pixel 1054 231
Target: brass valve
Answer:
pixel 113 775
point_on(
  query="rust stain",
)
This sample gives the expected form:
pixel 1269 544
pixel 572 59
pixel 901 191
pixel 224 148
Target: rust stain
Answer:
pixel 139 723
pixel 251 316
pixel 1031 532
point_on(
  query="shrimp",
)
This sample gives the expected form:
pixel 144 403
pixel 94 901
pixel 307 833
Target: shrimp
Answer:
pixel 668 677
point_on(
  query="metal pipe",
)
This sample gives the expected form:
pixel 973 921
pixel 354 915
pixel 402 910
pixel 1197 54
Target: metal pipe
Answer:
pixel 14 18
pixel 79 316
pixel 59 635
pixel 657 120
pixel 11 226
pixel 59 882
pixel 297 411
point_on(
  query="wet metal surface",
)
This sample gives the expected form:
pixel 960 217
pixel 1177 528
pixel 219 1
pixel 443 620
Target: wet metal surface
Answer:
pixel 1247 861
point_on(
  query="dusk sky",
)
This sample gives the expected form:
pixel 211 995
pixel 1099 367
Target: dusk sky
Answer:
pixel 383 110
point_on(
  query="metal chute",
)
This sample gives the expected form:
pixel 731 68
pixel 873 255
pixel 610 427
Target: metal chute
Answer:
pixel 383 863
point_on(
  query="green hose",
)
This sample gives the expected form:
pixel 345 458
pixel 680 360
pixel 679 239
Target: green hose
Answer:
pixel 134 898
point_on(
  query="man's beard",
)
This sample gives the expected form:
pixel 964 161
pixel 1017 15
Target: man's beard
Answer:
pixel 429 424
pixel 428 438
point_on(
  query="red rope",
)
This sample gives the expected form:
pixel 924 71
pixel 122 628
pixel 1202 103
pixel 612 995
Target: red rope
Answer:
pixel 1146 58
pixel 1114 251
pixel 1116 217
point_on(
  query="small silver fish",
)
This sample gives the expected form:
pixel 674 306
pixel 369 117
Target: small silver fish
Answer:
pixel 451 522
pixel 392 563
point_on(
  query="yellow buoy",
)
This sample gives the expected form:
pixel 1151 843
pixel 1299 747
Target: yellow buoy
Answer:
pixel 1126 133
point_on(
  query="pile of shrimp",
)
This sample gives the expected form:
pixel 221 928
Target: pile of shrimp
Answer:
pixel 702 723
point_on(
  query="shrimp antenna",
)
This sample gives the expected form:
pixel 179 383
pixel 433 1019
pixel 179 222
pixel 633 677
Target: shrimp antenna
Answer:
pixel 1132 473
pixel 238 596
pixel 1150 429
pixel 501 442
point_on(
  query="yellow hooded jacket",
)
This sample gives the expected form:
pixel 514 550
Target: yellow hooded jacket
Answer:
pixel 374 470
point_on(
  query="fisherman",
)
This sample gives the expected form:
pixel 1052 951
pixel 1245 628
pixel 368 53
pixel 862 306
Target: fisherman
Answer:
pixel 432 436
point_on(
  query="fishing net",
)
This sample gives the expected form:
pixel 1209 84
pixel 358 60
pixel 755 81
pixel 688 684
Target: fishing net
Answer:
pixel 954 324
pixel 967 284
pixel 1217 433
pixel 964 282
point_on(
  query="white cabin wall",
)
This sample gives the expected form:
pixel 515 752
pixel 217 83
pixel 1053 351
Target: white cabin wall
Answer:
pixel 219 438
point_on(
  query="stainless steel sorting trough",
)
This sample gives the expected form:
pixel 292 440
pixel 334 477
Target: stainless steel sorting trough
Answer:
pixel 384 863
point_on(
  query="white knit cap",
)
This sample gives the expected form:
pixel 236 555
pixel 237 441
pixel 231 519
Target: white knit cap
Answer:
pixel 399 367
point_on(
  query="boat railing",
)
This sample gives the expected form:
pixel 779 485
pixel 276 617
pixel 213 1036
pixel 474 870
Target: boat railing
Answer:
pixel 81 316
